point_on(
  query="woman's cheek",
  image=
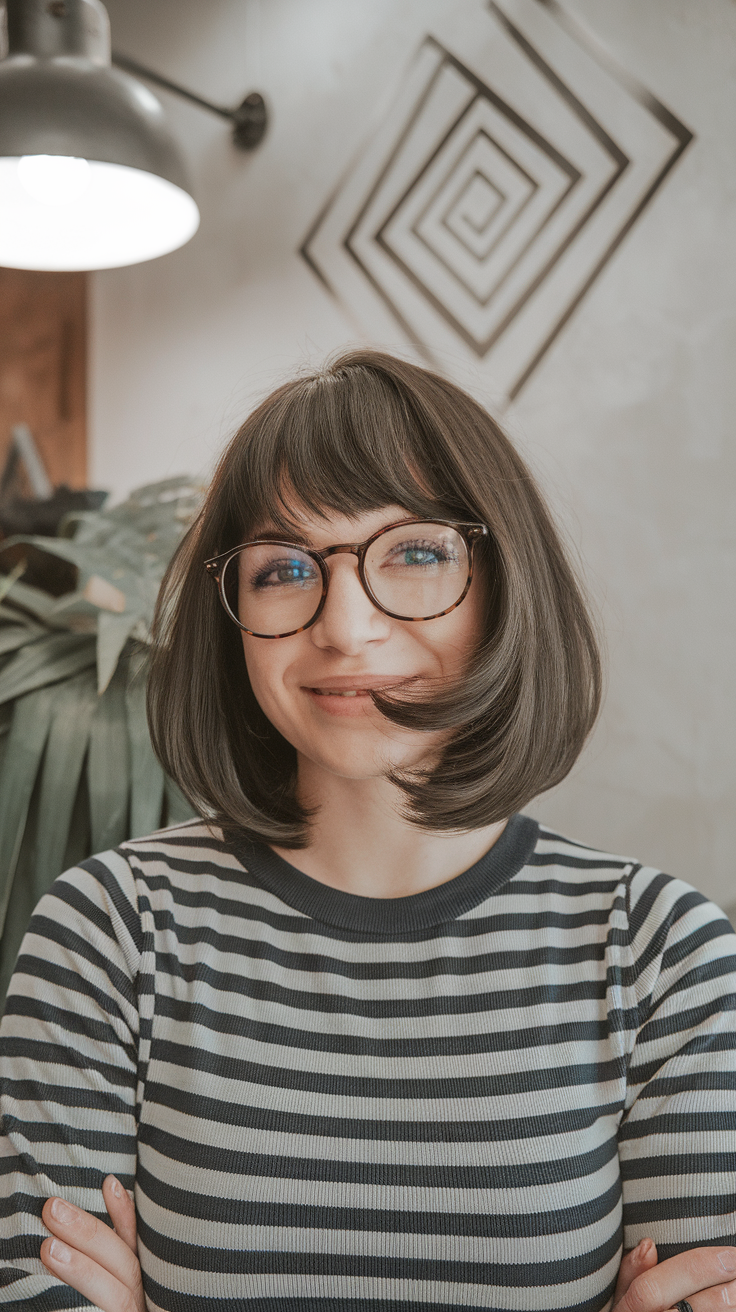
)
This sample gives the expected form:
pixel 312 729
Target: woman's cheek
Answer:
pixel 262 674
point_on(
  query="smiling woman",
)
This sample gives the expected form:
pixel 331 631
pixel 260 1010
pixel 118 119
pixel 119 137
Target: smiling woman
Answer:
pixel 362 446
pixel 365 1036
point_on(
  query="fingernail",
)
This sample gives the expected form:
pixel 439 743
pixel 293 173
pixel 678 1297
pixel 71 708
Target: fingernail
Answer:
pixel 645 1248
pixel 61 1211
pixel 59 1252
pixel 727 1259
pixel 117 1188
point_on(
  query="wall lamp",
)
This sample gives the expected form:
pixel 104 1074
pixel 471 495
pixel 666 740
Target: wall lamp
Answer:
pixel 90 176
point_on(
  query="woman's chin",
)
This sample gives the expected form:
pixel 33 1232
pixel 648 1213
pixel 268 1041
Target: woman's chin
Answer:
pixel 361 760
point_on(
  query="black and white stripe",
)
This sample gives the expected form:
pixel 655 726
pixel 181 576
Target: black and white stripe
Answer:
pixel 328 1103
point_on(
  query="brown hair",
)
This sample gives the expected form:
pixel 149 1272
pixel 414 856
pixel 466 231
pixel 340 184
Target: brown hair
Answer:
pixel 368 431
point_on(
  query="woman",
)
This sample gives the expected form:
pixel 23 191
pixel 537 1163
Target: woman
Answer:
pixel 366 1037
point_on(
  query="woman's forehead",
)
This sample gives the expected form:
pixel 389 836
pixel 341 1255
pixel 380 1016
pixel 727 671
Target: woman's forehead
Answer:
pixel 327 527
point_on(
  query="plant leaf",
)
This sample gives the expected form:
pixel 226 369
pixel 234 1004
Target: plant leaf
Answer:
pixel 178 809
pixel 146 775
pixel 31 599
pixel 13 636
pixel 113 632
pixel 21 901
pixel 75 702
pixel 108 766
pixel 21 762
pixel 7 580
pixel 53 657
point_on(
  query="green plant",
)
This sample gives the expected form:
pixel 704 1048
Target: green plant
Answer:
pixel 77 770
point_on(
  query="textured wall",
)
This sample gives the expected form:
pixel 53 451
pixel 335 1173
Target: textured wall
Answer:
pixel 614 341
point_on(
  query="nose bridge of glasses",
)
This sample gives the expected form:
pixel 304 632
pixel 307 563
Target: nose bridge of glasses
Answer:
pixel 341 549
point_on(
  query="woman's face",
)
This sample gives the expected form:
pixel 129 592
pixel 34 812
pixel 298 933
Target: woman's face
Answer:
pixel 351 648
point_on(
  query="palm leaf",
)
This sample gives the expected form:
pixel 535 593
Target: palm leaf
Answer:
pixel 177 807
pixel 21 762
pixel 146 775
pixel 54 809
pixel 75 702
pixel 108 767
pixel 22 899
pixel 113 632
pixel 36 601
pixel 50 659
pixel 13 636
pixel 7 580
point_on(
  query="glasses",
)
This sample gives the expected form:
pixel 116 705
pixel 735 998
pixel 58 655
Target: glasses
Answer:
pixel 410 570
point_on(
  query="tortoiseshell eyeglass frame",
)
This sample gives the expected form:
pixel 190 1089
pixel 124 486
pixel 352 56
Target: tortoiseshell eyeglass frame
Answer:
pixel 469 532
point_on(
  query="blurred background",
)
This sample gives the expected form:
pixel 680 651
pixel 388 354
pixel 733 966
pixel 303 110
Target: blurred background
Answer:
pixel 536 199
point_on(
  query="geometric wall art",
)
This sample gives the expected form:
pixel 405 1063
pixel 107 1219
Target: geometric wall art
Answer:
pixel 511 165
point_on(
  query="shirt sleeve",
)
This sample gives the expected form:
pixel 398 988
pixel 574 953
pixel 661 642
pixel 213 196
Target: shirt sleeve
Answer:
pixel 677 1141
pixel 69 1057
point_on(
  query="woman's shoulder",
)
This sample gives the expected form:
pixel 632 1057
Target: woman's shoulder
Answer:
pixel 114 879
pixel 191 838
pixel 555 849
pixel 102 900
pixel 651 905
pixel 194 848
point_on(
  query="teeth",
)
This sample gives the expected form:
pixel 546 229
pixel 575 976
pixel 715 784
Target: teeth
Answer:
pixel 323 692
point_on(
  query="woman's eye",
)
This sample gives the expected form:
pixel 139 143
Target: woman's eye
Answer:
pixel 284 573
pixel 419 553
pixel 419 556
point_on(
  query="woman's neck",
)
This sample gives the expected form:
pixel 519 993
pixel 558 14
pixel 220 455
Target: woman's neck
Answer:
pixel 360 843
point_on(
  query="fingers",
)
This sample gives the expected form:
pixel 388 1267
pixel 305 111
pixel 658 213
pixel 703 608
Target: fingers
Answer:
pixel 633 1264
pixel 716 1299
pixel 89 1278
pixel 121 1210
pixel 86 1250
pixel 682 1277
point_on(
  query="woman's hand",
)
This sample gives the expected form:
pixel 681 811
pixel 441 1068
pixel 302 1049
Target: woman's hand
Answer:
pixel 703 1277
pixel 85 1253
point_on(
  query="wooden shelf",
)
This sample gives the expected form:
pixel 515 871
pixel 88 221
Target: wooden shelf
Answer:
pixel 43 348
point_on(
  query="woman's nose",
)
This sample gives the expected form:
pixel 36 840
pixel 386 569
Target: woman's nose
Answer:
pixel 349 619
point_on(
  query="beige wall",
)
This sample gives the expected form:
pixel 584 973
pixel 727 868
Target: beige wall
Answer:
pixel 627 420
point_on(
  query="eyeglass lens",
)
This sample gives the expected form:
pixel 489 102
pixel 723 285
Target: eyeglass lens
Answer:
pixel 415 571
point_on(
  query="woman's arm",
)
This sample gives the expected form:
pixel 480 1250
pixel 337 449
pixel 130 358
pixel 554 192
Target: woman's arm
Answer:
pixel 677 1138
pixel 102 1264
pixel 69 1052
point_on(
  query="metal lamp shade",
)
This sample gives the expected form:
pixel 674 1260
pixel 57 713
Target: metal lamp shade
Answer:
pixel 89 176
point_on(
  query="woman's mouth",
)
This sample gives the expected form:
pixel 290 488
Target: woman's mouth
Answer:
pixel 342 699
pixel 334 692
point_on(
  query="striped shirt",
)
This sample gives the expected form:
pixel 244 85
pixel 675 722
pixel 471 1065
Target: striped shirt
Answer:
pixel 467 1098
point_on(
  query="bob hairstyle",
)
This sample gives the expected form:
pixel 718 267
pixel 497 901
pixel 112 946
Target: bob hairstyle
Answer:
pixel 365 432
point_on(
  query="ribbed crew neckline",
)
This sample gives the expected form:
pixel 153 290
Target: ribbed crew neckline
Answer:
pixel 393 915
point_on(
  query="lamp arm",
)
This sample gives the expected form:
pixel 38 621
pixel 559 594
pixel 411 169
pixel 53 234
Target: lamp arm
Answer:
pixel 248 119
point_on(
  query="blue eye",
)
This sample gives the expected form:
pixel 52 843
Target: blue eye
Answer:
pixel 420 556
pixel 285 573
pixel 294 572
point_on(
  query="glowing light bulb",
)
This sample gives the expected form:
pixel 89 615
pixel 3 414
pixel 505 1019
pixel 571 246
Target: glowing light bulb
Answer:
pixel 57 212
pixel 54 179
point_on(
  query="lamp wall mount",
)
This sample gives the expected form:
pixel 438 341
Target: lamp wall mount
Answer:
pixel 59 96
pixel 249 119
pixel 57 29
pixel 80 29
pixel 90 175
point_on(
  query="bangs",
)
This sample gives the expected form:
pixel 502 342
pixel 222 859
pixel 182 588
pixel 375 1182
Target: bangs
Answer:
pixel 342 443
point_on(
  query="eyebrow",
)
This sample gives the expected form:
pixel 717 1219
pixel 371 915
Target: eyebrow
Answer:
pixel 271 532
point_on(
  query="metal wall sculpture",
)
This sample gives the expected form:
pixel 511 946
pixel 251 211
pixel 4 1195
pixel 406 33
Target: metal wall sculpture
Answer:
pixel 486 202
